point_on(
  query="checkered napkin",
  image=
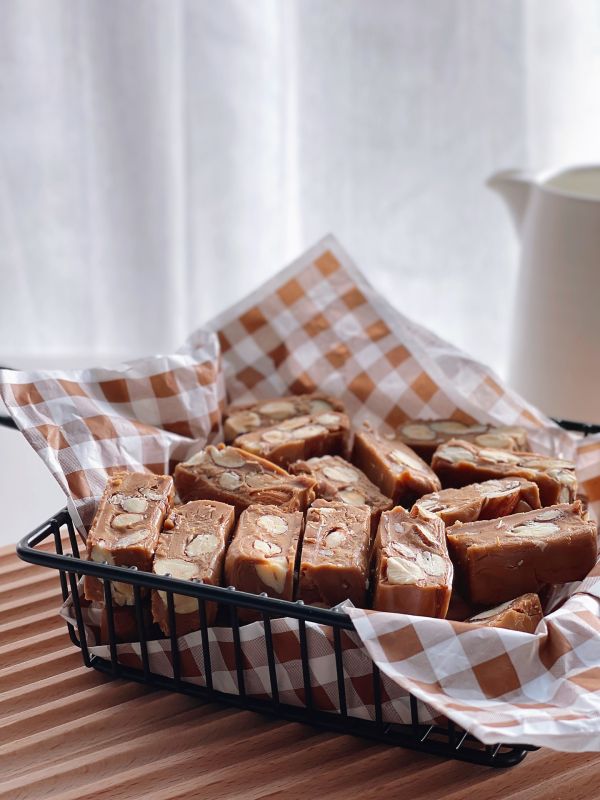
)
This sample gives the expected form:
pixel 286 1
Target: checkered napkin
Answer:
pixel 146 415
pixel 318 324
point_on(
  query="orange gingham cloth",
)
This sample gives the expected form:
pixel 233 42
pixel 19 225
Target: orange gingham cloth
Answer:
pixel 318 324
pixel 146 415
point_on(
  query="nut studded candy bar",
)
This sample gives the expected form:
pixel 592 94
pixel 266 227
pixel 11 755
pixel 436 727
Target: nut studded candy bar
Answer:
pixel 262 555
pixel 497 560
pixel 425 435
pixel 342 482
pixel 126 527
pixel 125 622
pixel 413 572
pixel 393 467
pixel 241 479
pixel 523 614
pixel 191 546
pixel 299 438
pixel 459 463
pixel 335 555
pixel 244 419
pixel 486 500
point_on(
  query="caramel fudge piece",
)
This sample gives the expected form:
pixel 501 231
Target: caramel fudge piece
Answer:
pixel 393 467
pixel 247 418
pixel 126 527
pixel 498 560
pixel 125 622
pixel 459 463
pixel 241 479
pixel 192 545
pixel 335 555
pixel 262 555
pixel 299 438
pixel 523 614
pixel 458 609
pixel 486 500
pixel 342 482
pixel 424 436
pixel 413 572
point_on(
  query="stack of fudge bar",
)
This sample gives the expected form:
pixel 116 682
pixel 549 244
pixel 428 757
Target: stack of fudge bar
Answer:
pixel 439 519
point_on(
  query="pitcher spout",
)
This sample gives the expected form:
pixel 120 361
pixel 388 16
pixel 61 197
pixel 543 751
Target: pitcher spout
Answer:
pixel 514 185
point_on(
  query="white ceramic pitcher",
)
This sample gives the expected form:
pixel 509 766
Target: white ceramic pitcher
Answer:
pixel 555 348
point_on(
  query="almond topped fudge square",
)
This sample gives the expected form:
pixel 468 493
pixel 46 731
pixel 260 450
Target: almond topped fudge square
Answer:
pixel 487 500
pixel 235 476
pixel 459 463
pixel 522 614
pixel 413 572
pixel 299 438
pixel 425 435
pixel 342 482
pixel 192 545
pixel 393 467
pixel 500 559
pixel 126 527
pixel 335 555
pixel 262 556
pixel 265 413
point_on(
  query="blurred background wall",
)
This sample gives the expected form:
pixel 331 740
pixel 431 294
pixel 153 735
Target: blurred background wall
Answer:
pixel 160 159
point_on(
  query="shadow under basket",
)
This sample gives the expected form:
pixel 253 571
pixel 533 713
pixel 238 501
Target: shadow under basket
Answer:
pixel 423 731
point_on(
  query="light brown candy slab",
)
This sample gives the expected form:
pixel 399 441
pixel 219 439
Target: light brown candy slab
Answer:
pixel 522 614
pixel 191 546
pixel 498 560
pixel 425 435
pixel 299 438
pixel 413 572
pixel 392 466
pixel 459 463
pixel 335 555
pixel 487 500
pixel 241 479
pixel 244 419
pixel 340 481
pixel 126 527
pixel 125 622
pixel 263 553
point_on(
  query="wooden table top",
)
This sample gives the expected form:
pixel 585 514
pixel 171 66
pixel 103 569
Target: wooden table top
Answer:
pixel 68 733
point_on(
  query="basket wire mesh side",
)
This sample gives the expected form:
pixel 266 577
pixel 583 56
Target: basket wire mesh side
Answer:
pixel 445 739
pixel 442 739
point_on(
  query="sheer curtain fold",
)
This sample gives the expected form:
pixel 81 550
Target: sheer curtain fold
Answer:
pixel 157 160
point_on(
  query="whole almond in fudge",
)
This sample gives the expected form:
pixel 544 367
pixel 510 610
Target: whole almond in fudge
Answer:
pixel 392 466
pixel 487 500
pixel 299 438
pixel 192 545
pixel 234 476
pixel 459 463
pixel 425 435
pixel 522 614
pixel 244 419
pixel 340 481
pixel 262 555
pixel 126 527
pixel 334 562
pixel 413 572
pixel 497 560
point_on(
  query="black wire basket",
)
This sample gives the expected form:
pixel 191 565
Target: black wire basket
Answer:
pixel 442 739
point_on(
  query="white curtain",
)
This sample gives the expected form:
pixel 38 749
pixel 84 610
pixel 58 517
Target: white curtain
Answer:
pixel 159 159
